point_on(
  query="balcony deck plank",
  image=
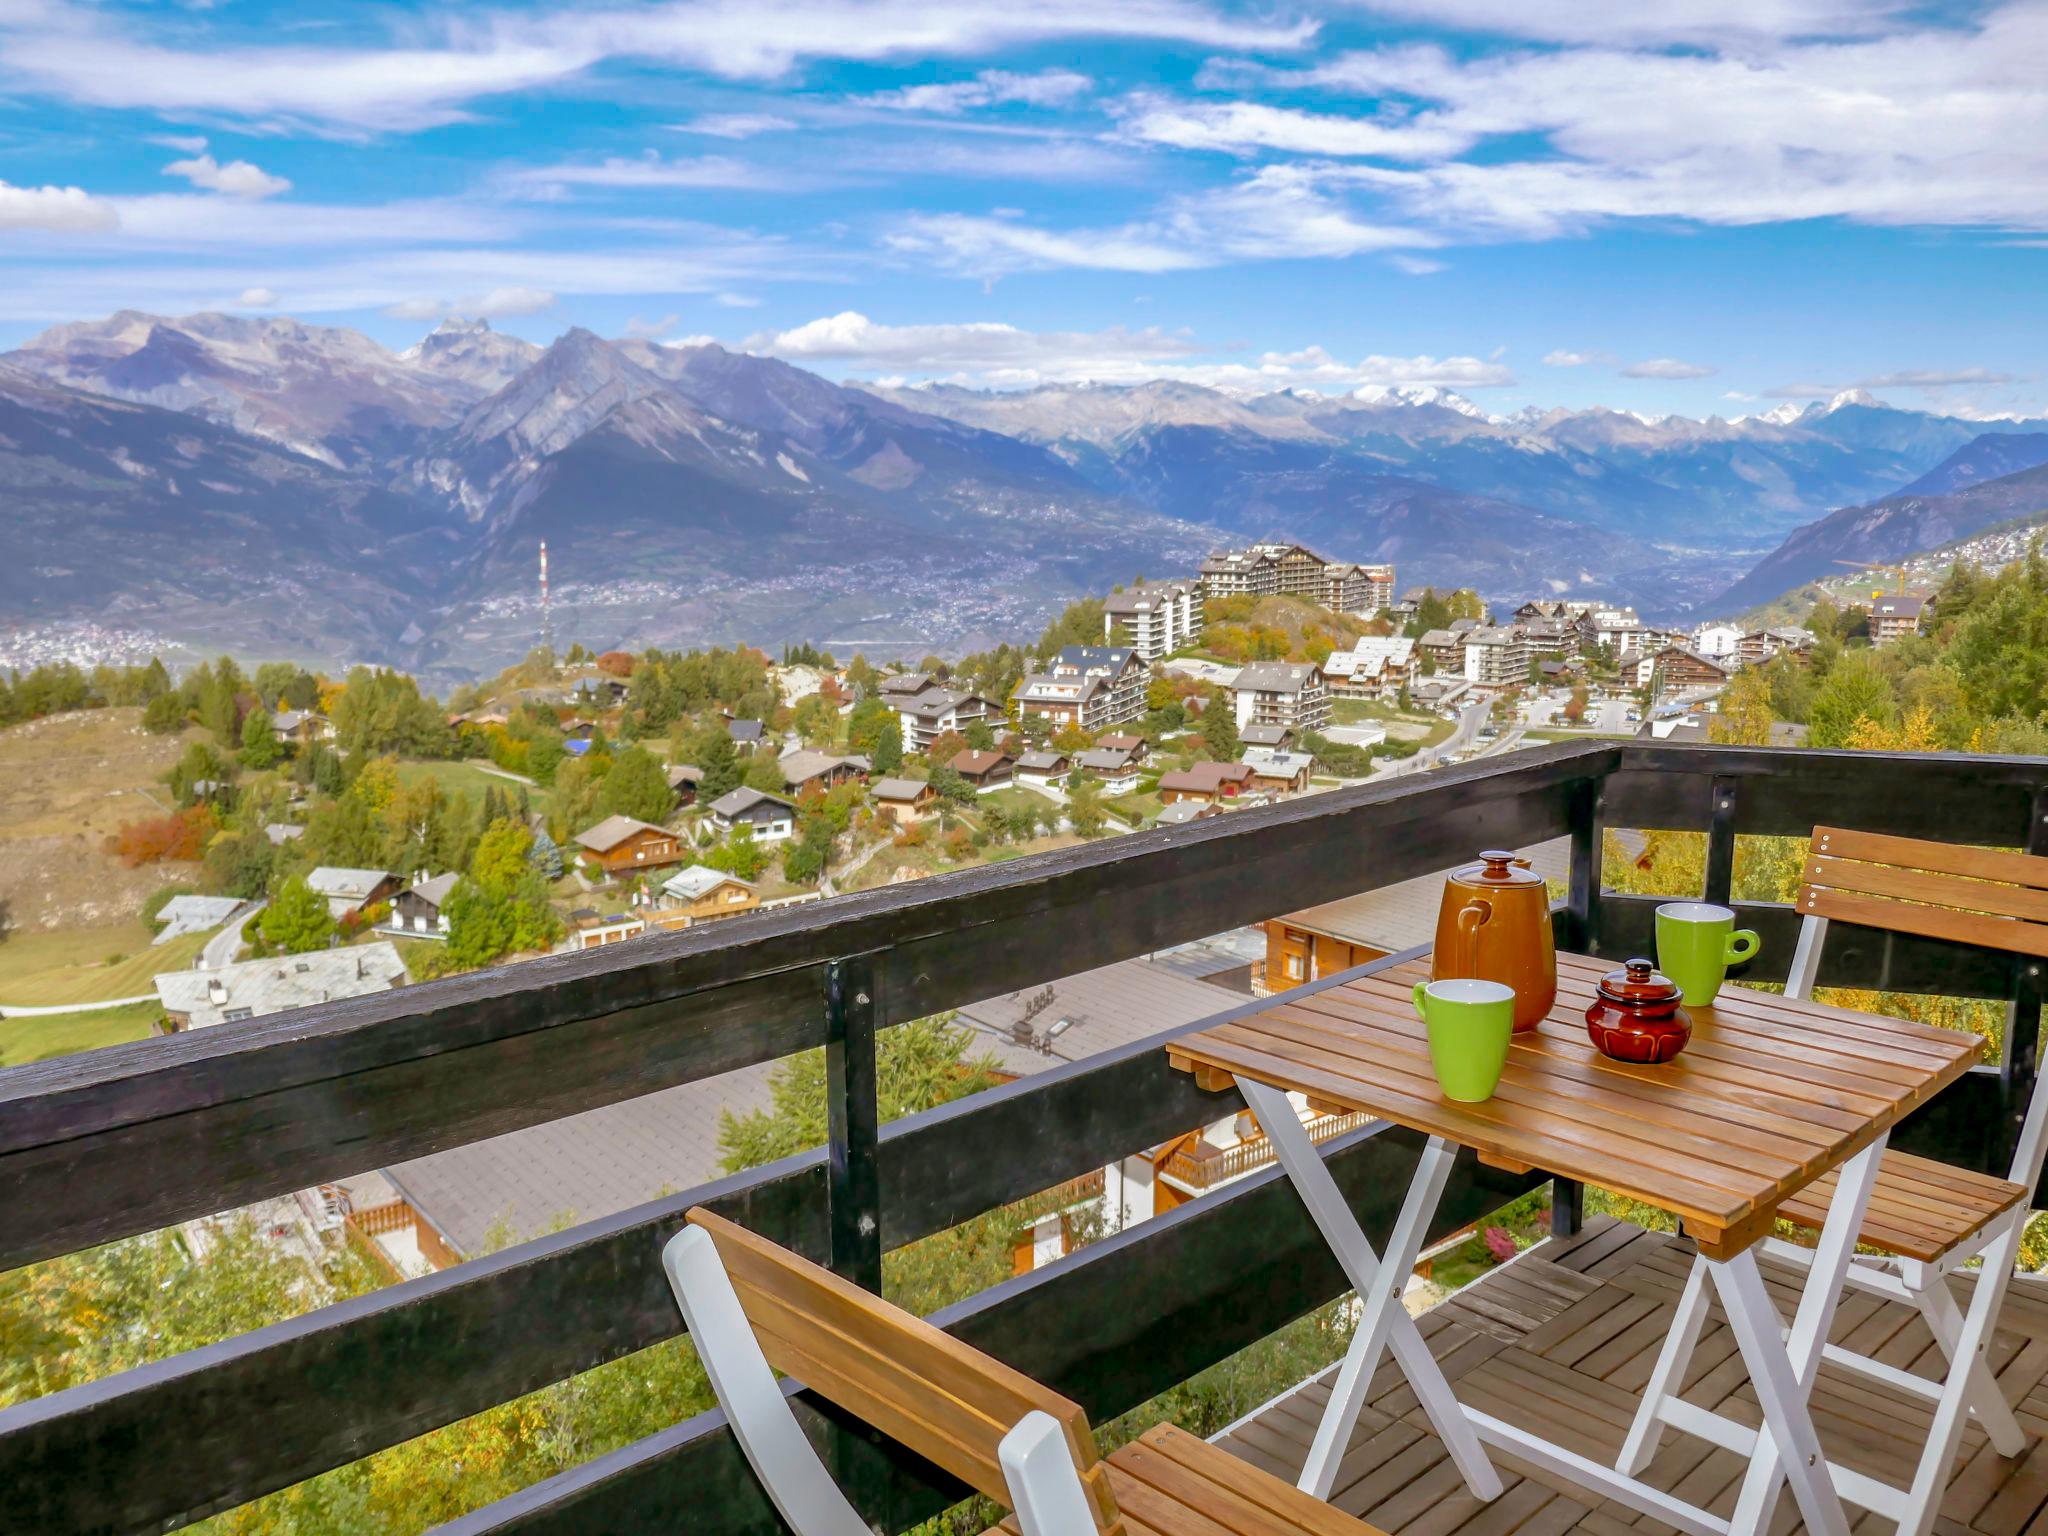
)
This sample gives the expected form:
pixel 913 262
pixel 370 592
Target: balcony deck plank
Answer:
pixel 1562 1340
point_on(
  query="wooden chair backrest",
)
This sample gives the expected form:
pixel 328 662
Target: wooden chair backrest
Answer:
pixel 1935 890
pixel 923 1388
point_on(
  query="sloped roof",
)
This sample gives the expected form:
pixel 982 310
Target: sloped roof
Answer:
pixel 698 881
pixel 614 830
pixel 898 789
pixel 435 891
pixel 1206 778
pixel 349 884
pixel 1275 677
pixel 739 801
pixel 280 983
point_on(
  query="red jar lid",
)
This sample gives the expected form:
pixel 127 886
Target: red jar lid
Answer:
pixel 1638 981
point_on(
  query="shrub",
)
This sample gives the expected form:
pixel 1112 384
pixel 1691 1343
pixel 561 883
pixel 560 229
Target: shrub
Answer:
pixel 182 835
pixel 1500 1244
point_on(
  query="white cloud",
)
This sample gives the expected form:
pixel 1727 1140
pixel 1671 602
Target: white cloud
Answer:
pixel 1667 368
pixel 735 125
pixel 440 68
pixel 986 349
pixel 736 301
pixel 651 172
pixel 1696 22
pixel 1414 266
pixel 992 353
pixel 1563 358
pixel 63 209
pixel 238 178
pixel 183 143
pixel 1243 127
pixel 637 329
pixel 1277 212
pixel 990 88
pixel 255 298
pixel 1926 379
pixel 497 304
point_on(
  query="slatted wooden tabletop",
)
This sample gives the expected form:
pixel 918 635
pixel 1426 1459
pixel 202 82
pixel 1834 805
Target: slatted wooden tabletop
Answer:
pixel 1769 1095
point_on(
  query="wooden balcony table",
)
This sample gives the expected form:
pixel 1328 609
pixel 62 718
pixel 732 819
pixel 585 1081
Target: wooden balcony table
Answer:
pixel 1770 1095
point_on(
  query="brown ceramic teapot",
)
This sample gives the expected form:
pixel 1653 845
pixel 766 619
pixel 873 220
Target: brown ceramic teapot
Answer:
pixel 1495 925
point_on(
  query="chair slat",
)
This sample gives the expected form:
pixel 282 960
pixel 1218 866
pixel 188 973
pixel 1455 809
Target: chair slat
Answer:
pixel 1942 858
pixel 1928 922
pixel 941 1398
pixel 1926 886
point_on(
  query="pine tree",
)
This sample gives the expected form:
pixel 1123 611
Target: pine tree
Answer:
pixel 297 919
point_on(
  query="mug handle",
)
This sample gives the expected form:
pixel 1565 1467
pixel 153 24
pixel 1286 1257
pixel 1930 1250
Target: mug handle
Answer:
pixel 1742 945
pixel 1421 988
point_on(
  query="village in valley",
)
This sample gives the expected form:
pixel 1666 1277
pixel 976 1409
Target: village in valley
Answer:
pixel 240 841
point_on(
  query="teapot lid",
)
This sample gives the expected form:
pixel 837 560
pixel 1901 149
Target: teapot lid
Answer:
pixel 1498 867
pixel 1638 981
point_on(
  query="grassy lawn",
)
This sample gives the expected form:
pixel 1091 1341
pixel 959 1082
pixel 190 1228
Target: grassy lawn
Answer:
pixel 1136 808
pixel 59 1034
pixel 457 778
pixel 42 969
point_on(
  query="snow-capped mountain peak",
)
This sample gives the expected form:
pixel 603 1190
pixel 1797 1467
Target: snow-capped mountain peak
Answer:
pixel 1418 394
pixel 1851 397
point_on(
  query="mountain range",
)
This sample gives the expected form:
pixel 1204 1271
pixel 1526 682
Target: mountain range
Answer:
pixel 286 489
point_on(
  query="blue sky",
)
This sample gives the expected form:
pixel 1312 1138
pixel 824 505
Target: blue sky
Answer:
pixel 1690 205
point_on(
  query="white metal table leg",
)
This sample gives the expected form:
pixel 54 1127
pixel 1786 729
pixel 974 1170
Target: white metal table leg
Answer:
pixel 1755 1324
pixel 1799 1356
pixel 1384 1322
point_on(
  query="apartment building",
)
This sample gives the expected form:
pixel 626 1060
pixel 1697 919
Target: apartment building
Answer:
pixel 1282 693
pixel 1293 570
pixel 1123 673
pixel 1497 657
pixel 1892 619
pixel 931 711
pixel 1154 618
pixel 1376 667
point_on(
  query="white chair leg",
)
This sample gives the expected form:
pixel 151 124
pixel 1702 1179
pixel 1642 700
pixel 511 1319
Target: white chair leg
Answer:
pixel 1669 1375
pixel 1930 1481
pixel 1945 1321
pixel 1813 933
pixel 1383 1323
pixel 1045 1489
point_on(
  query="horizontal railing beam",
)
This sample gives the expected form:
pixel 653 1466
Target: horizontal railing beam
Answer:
pixel 158 1131
pixel 1070 1325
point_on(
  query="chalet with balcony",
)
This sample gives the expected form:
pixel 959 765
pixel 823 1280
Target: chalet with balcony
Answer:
pixel 904 801
pixel 1046 769
pixel 1375 667
pixel 619 845
pixel 1680 669
pixel 1761 645
pixel 348 891
pixel 699 894
pixel 984 771
pixel 806 772
pixel 1206 783
pixel 1137 746
pixel 770 817
pixel 1276 772
pixel 420 910
pixel 1114 766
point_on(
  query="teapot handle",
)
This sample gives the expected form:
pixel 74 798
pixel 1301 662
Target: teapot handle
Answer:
pixel 1474 915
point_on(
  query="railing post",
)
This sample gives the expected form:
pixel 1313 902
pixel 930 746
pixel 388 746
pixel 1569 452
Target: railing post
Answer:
pixel 1582 933
pixel 1721 841
pixel 2019 1064
pixel 852 1121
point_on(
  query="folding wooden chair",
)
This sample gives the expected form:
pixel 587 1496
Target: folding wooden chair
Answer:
pixel 755 1308
pixel 1927 1218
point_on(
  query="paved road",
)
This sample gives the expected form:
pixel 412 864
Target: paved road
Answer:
pixel 43 1012
pixel 221 949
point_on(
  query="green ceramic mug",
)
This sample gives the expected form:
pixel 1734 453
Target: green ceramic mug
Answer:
pixel 1470 1023
pixel 1696 943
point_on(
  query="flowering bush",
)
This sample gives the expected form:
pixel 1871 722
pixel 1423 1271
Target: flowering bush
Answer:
pixel 1500 1243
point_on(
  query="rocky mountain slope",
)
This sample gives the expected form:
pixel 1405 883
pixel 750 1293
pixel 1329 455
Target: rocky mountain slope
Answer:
pixel 1887 529
pixel 1990 457
pixel 388 505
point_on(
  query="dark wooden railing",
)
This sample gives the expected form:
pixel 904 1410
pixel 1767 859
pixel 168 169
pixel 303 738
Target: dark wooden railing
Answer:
pixel 125 1140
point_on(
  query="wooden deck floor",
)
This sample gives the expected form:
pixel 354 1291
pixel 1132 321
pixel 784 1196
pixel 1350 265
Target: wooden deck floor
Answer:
pixel 1562 1341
